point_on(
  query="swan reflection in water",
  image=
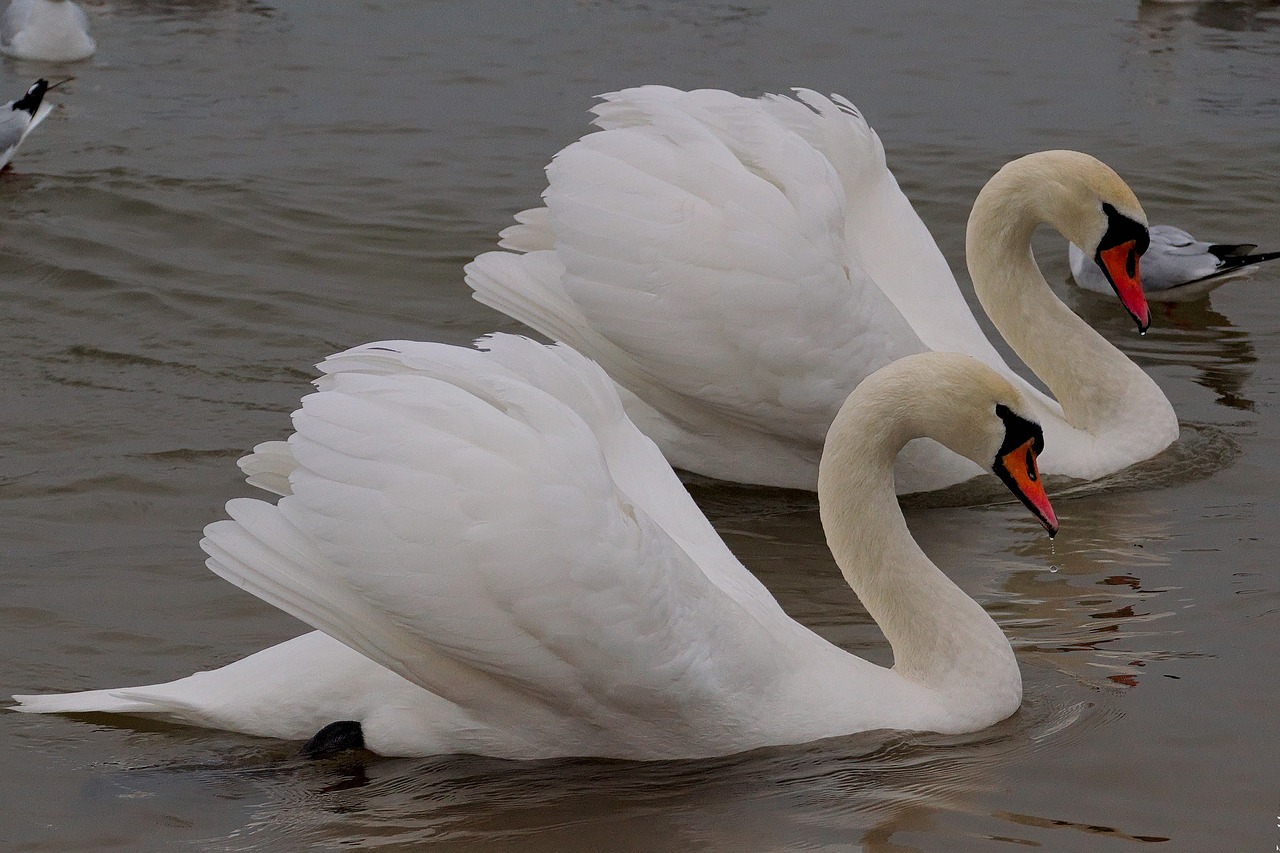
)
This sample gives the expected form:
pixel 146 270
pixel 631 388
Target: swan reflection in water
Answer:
pixel 873 790
pixel 1226 48
pixel 1093 616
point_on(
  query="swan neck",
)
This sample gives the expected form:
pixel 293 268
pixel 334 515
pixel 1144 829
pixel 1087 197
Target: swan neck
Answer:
pixel 939 635
pixel 1098 387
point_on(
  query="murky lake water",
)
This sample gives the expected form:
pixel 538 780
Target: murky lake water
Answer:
pixel 232 190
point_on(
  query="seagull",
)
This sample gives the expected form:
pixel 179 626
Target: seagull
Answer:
pixel 1176 267
pixel 19 117
pixel 49 30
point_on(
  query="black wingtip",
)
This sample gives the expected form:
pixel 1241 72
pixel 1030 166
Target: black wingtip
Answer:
pixel 30 102
pixel 1232 261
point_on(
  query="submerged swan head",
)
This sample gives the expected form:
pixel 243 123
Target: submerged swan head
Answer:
pixel 957 401
pixel 1088 203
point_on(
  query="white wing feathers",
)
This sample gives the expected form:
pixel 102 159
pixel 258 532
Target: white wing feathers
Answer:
pixel 512 570
pixel 531 232
pixel 704 239
pixel 269 467
pixel 885 236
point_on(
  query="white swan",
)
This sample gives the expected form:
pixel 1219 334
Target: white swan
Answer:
pixel 20 116
pixel 49 30
pixel 510 568
pixel 739 265
pixel 1177 267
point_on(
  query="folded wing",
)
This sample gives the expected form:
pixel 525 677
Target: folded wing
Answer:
pixel 698 241
pixel 462 526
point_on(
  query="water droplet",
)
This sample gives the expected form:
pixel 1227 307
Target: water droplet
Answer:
pixel 1053 570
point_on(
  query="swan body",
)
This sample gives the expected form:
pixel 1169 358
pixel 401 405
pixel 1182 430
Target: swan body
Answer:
pixel 502 564
pixel 49 30
pixel 739 265
pixel 19 117
pixel 1177 267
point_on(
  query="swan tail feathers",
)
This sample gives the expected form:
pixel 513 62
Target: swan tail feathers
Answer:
pixel 135 701
pixel 85 702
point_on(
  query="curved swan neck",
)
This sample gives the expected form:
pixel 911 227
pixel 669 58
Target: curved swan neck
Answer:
pixel 1098 387
pixel 941 638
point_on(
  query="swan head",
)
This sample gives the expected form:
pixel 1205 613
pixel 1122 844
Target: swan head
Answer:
pixel 1092 207
pixel 990 422
pixel 957 401
pixel 1015 464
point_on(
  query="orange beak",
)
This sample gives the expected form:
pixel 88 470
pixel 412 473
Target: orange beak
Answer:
pixel 1024 481
pixel 1120 264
